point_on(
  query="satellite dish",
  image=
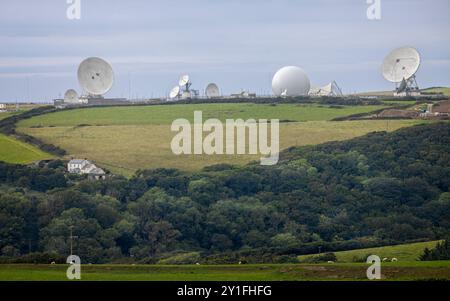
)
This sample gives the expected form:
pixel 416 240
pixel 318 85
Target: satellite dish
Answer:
pixel 71 96
pixel 212 90
pixel 186 95
pixel 184 80
pixel 95 76
pixel 290 81
pixel 175 92
pixel 330 90
pixel 401 63
pixel 400 67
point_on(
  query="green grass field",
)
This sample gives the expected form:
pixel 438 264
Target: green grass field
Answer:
pixel 22 108
pixel 125 148
pixel 166 114
pixel 124 139
pixel 14 151
pixel 6 114
pixel 404 252
pixel 260 272
pixel 407 268
pixel 444 90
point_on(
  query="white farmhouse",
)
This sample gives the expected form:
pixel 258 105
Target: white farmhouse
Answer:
pixel 85 167
pixel 75 165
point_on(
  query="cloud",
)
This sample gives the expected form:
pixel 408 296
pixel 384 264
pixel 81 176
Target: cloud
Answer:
pixel 18 75
pixel 237 43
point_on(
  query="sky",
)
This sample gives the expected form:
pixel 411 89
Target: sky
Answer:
pixel 236 44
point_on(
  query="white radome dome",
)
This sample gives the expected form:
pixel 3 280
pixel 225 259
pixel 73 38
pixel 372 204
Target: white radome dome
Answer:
pixel 290 81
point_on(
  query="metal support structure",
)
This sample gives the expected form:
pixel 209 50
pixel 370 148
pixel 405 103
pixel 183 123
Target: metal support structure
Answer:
pixel 71 240
pixel 407 87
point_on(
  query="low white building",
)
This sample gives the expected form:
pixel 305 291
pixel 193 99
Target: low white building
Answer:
pixel 85 167
pixel 2 107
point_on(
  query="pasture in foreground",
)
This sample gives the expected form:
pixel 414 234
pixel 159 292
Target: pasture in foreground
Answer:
pixel 124 139
pixel 436 270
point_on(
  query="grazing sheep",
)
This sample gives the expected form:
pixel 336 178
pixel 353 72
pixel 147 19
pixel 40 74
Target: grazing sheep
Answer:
pixel 240 262
pixel 394 259
pixel 53 262
pixel 385 259
pixel 197 263
pixel 330 261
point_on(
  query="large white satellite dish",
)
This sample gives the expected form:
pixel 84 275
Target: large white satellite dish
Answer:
pixel 95 76
pixel 290 81
pixel 184 80
pixel 401 63
pixel 175 92
pixel 400 67
pixel 71 96
pixel 212 90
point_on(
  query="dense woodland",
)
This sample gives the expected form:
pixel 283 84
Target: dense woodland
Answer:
pixel 380 189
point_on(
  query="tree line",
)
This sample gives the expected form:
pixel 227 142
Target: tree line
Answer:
pixel 379 189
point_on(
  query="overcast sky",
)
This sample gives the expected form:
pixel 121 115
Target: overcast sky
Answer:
pixel 237 44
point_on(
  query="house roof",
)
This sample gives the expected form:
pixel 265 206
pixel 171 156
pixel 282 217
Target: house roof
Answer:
pixel 89 166
pixel 97 171
pixel 76 161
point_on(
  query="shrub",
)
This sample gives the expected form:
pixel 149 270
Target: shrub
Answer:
pixel 440 252
pixel 35 258
pixel 321 258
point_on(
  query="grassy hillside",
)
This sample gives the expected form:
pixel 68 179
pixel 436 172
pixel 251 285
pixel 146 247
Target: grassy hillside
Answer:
pixel 405 252
pixel 22 108
pixel 124 139
pixel 259 272
pixel 166 114
pixel 444 90
pixel 14 151
pixel 126 148
pixel 6 114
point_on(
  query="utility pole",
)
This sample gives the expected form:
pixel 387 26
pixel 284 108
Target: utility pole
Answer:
pixel 71 240
pixel 130 96
pixel 28 89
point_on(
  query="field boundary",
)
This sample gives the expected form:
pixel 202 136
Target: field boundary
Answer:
pixel 361 115
pixel 8 128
